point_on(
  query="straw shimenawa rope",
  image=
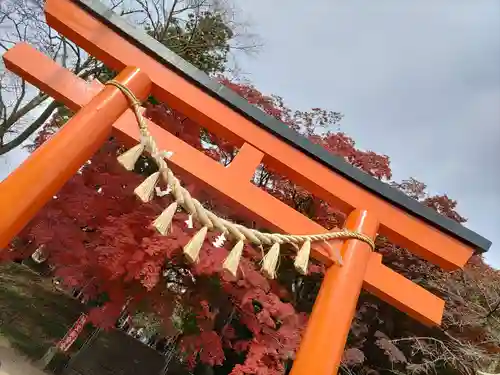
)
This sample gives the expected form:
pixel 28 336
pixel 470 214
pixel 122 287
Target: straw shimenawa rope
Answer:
pixel 209 220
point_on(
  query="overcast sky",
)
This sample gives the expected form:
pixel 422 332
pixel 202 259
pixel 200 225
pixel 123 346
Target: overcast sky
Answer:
pixel 418 80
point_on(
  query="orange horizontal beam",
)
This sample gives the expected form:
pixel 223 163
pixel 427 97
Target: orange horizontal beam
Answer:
pixel 76 93
pixel 116 52
pixel 387 285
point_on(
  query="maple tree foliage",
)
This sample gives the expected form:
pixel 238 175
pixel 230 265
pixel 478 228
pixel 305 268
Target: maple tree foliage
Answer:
pixel 98 235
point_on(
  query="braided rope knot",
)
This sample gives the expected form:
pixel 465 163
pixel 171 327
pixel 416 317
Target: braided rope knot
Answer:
pixel 209 220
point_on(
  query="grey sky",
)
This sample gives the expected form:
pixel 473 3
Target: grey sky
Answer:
pixel 416 80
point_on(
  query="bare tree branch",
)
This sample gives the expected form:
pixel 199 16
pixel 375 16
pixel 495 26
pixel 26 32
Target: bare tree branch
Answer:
pixel 26 133
pixel 24 21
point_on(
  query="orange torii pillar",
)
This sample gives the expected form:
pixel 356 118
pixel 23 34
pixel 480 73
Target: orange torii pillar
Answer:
pixel 103 110
pixel 24 192
pixel 322 346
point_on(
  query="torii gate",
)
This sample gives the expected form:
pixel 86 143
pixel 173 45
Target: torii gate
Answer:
pixel 147 67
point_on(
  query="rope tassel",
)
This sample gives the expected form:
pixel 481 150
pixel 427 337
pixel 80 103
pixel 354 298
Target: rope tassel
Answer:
pixel 130 157
pixel 193 247
pixel 270 261
pixel 164 221
pixel 146 191
pixel 233 259
pixel 302 258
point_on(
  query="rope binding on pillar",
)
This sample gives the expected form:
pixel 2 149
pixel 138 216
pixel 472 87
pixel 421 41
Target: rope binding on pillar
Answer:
pixel 208 220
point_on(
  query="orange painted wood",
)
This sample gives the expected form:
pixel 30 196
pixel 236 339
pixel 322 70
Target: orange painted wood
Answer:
pixel 322 346
pixel 245 163
pixel 75 93
pixel 243 195
pixel 401 228
pixel 385 284
pixel 51 78
pixel 37 180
